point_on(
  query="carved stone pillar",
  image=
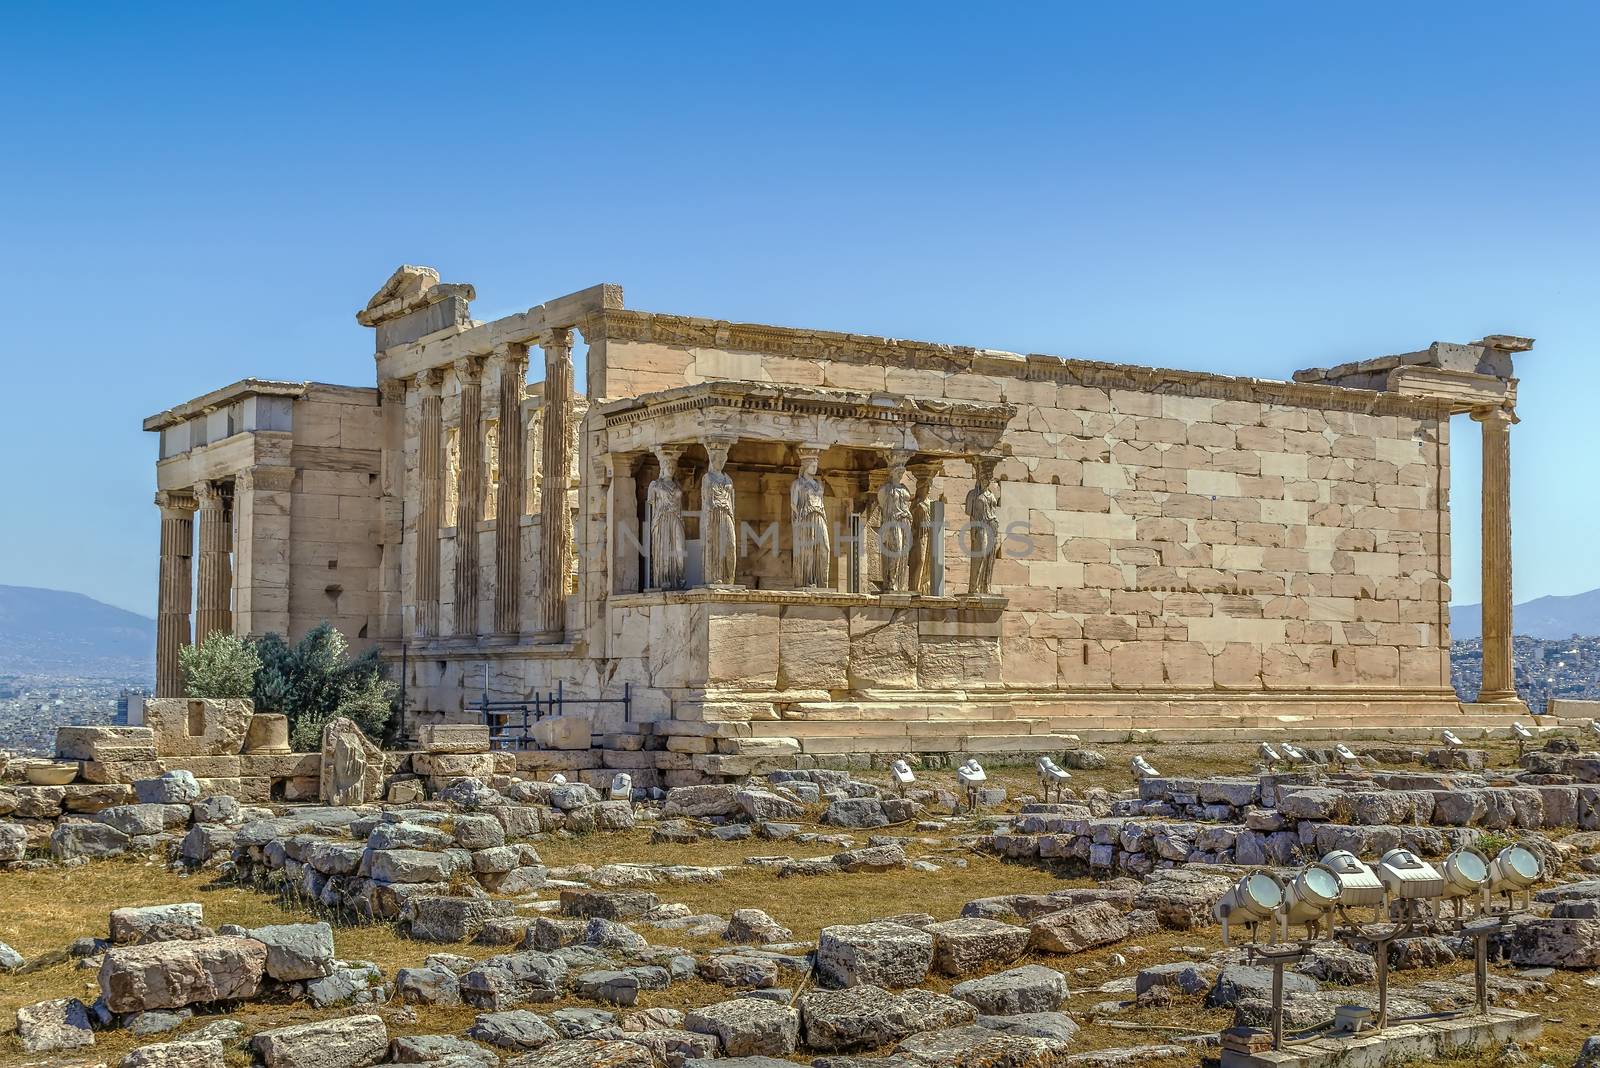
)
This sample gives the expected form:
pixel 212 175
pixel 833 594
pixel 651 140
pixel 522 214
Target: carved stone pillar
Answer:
pixel 469 372
pixel 213 605
pixel 555 558
pixel 509 500
pixel 1498 684
pixel 923 533
pixel 430 503
pixel 172 623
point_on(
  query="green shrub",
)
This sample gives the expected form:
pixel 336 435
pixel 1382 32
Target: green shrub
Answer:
pixel 316 679
pixel 220 666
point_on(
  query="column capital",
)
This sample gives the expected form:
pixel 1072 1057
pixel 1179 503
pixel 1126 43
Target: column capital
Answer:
pixel 511 351
pixel 176 501
pixel 469 367
pixel 1501 416
pixel 208 493
pixel 557 339
pixel 392 390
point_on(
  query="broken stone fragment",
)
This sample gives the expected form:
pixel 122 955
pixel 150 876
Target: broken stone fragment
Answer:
pixel 346 1042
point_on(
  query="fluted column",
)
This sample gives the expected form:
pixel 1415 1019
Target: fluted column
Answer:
pixel 430 449
pixel 1499 683
pixel 556 538
pixel 213 611
pixel 172 623
pixel 469 372
pixel 510 498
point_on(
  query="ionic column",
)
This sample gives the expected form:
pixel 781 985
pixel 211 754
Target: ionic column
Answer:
pixel 172 623
pixel 556 457
pixel 1498 683
pixel 213 611
pixel 430 502
pixel 469 372
pixel 510 498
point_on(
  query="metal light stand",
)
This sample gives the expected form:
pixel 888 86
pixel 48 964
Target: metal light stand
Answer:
pixel 1277 957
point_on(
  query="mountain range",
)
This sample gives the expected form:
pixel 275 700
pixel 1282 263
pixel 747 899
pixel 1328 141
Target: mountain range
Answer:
pixel 53 632
pixel 1551 618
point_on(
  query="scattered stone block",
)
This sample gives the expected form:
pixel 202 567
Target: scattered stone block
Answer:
pixel 881 954
pixel 748 1027
pixel 297 950
pixel 195 726
pixel 1092 924
pixel 169 975
pixel 47 1026
pixel 168 788
pixel 345 1042
pixel 516 1029
pixel 157 923
pixel 185 1053
pixel 967 945
pixel 1031 988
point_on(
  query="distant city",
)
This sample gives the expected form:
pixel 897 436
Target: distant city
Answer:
pixel 33 706
pixel 1545 668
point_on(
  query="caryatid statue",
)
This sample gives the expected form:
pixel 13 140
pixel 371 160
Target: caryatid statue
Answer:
pixel 894 527
pixel 983 526
pixel 922 532
pixel 718 532
pixel 668 553
pixel 809 516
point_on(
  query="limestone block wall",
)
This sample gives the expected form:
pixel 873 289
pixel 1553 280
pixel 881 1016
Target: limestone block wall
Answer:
pixel 1169 531
pixel 334 552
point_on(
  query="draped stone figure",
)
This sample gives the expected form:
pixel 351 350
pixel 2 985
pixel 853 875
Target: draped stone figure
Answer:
pixel 718 533
pixel 983 527
pixel 668 552
pixel 809 516
pixel 922 532
pixel 894 529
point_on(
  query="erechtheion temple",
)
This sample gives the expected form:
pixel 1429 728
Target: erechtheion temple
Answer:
pixel 729 541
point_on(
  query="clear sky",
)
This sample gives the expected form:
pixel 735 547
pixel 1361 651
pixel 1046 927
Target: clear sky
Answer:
pixel 190 195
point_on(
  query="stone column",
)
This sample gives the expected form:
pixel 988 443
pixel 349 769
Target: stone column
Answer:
pixel 555 557
pixel 469 372
pixel 213 603
pixel 391 516
pixel 430 503
pixel 509 502
pixel 1498 681
pixel 262 501
pixel 172 624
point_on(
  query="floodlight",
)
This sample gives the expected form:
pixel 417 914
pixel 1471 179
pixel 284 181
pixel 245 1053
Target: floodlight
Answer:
pixel 902 773
pixel 1513 870
pixel 1308 897
pixel 1466 874
pixel 1521 732
pixel 1346 754
pixel 1251 900
pixel 1293 753
pixel 1594 726
pixel 1051 776
pixel 559 779
pixel 1359 885
pixel 1269 754
pixel 622 786
pixel 1143 769
pixel 1407 877
pixel 1451 740
pixel 972 779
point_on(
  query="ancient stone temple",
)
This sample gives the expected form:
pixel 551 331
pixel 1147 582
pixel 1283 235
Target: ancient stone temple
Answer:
pixel 793 542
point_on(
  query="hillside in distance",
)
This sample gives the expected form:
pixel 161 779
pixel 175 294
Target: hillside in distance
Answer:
pixel 54 632
pixel 1542 617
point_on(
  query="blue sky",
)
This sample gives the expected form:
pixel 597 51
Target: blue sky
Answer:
pixel 195 194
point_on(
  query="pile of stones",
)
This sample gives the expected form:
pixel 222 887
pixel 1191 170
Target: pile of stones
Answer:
pixel 159 964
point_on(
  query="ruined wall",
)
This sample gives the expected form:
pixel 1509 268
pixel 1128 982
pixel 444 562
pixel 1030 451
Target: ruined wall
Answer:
pixel 333 540
pixel 1181 532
